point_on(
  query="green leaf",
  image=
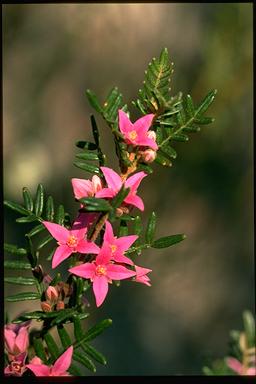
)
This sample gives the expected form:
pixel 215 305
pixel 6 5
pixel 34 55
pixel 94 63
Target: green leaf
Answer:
pixel 63 315
pixel 60 215
pixel 137 226
pixel 160 159
pixel 87 167
pixel 81 358
pixel 49 209
pixel 180 137
pixel 36 315
pixel 119 198
pixel 64 336
pixel 39 228
pixel 87 145
pixel 26 219
pixel 206 102
pixel 78 330
pixel 20 280
pixel 96 355
pixel 145 167
pixel 39 349
pixel 167 241
pixel 28 201
pixel 39 200
pixel 16 265
pixel 87 156
pixel 16 207
pixel 123 229
pixel 10 248
pixel 249 326
pixel 31 255
pixel 44 242
pixel 190 105
pixel 93 332
pixel 94 204
pixel 23 296
pixel 150 230
pixel 93 100
pixel 52 346
pixel 169 151
pixel 95 131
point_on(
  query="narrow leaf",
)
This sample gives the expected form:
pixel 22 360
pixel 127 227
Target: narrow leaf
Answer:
pixel 87 145
pixel 119 198
pixel 60 215
pixel 49 209
pixel 74 371
pixel 81 358
pixel 93 100
pixel 167 241
pixel 206 102
pixel 123 229
pixel 249 325
pixel 94 332
pixel 14 249
pixel 39 200
pixel 150 230
pixel 52 346
pixel 63 315
pixel 87 167
pixel 28 201
pixel 96 355
pixel 39 228
pixel 64 336
pixel 44 242
pixel 39 349
pixel 16 207
pixel 87 156
pixel 95 204
pixel 23 296
pixel 26 219
pixel 20 280
pixel 16 265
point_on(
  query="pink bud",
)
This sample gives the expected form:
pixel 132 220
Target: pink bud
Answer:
pixel 60 305
pixel 96 184
pixel 152 135
pixel 148 155
pixel 46 306
pixel 51 293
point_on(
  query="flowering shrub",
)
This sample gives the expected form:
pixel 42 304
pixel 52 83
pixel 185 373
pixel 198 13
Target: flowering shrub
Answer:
pixel 102 242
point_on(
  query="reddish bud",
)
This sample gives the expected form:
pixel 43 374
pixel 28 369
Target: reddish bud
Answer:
pixel 148 155
pixel 60 305
pixel 51 293
pixel 152 135
pixel 46 307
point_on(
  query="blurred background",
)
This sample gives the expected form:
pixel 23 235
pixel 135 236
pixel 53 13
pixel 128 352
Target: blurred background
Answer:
pixel 51 54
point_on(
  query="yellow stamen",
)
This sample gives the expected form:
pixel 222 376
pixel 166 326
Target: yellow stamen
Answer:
pixel 113 248
pixel 72 241
pixel 133 135
pixel 100 270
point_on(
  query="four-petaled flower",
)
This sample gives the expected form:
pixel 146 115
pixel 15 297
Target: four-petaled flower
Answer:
pixel 59 368
pixel 137 133
pixel 86 188
pixel 115 183
pixel 17 365
pixel 70 241
pixel 117 246
pixel 101 272
pixel 141 275
pixel 16 338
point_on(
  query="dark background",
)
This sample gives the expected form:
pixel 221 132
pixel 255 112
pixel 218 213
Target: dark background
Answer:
pixel 51 55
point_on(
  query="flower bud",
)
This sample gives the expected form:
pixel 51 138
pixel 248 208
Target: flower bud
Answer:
pixel 148 155
pixel 60 305
pixel 152 135
pixel 51 293
pixel 96 184
pixel 46 307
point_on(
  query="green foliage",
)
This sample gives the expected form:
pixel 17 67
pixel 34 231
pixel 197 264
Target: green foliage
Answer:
pixel 167 241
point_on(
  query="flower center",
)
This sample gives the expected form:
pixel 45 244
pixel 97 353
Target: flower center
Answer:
pixel 133 135
pixel 101 270
pixel 16 367
pixel 113 248
pixel 72 241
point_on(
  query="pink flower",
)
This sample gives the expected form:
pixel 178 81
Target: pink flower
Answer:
pixel 141 275
pixel 59 368
pixel 86 188
pixel 101 272
pixel 115 183
pixel 117 247
pixel 70 241
pixel 16 338
pixel 51 293
pixel 137 133
pixel 238 367
pixel 17 366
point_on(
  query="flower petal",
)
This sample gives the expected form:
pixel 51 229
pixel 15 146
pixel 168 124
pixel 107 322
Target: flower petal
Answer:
pixel 104 255
pixel 57 231
pixel 119 258
pixel 85 246
pixel 100 289
pixel 79 227
pixel 118 272
pixel 39 370
pixel 135 200
pixel 143 124
pixel 134 181
pixel 112 178
pixel 125 124
pixel 123 243
pixel 62 253
pixel 140 271
pixel 22 341
pixel 9 337
pixel 109 234
pixel 82 188
pixel 86 270
pixel 106 192
pixel 234 364
pixel 62 364
pixel 146 141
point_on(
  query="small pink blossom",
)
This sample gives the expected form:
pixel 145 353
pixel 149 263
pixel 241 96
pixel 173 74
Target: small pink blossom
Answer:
pixel 141 275
pixel 59 368
pixel 70 241
pixel 16 338
pixel 51 293
pixel 101 272
pixel 238 367
pixel 117 246
pixel 17 366
pixel 136 133
pixel 86 188
pixel 115 183
pixel 148 155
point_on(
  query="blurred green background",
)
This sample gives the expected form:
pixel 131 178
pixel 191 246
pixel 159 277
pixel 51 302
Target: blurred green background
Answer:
pixel 51 54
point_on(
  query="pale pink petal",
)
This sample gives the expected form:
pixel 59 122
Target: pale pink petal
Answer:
pixel 251 371
pixel 234 364
pixel 146 141
pixel 96 183
pixel 112 178
pixel 62 364
pixel 87 270
pixel 62 253
pixel 142 271
pixel 143 124
pixel 104 255
pixel 143 280
pixel 134 181
pixel 125 125
pixel 22 340
pixel 135 200
pixel 100 289
pixel 57 231
pixel 36 360
pixel 118 272
pixel 123 243
pixel 82 188
pixel 106 192
pixel 9 337
pixel 119 258
pixel 85 246
pixel 109 234
pixel 8 370
pixel 39 370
